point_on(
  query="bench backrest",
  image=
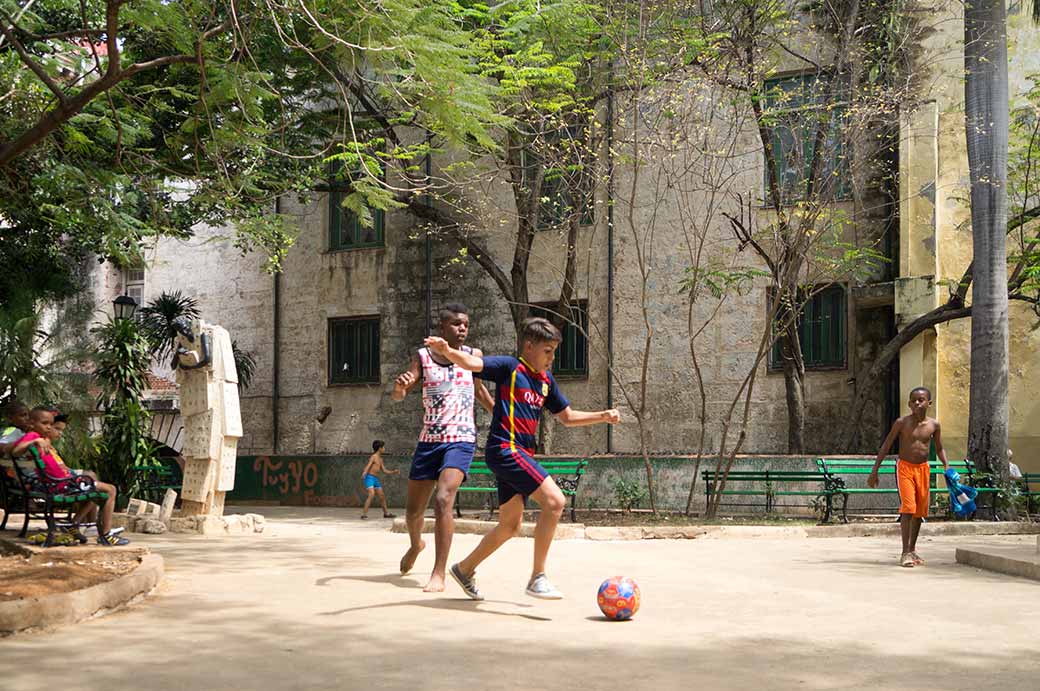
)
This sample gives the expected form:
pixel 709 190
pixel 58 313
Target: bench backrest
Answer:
pixel 559 467
pixel 863 466
pixel 25 470
pixel 765 475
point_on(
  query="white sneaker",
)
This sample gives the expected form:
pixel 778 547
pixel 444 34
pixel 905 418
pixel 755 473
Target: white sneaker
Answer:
pixel 541 588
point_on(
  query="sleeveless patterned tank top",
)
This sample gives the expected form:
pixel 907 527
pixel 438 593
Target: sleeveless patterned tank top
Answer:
pixel 447 394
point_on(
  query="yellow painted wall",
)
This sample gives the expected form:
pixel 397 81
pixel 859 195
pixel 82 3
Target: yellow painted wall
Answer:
pixel 942 245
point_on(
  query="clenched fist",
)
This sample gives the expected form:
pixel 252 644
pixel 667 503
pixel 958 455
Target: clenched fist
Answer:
pixel 437 345
pixel 405 380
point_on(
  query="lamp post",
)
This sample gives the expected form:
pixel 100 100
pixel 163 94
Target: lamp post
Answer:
pixel 123 307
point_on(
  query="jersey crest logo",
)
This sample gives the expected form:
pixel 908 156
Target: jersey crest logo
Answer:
pixel 545 389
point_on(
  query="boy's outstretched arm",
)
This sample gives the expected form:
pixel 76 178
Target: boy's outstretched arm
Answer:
pixel 872 480
pixel 579 418
pixel 406 381
pixel 383 468
pixel 939 450
pixel 467 361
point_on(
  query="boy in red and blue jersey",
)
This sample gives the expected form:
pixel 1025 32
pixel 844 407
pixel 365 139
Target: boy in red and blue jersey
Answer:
pixel 523 386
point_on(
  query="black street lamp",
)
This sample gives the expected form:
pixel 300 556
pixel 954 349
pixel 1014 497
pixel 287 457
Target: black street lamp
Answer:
pixel 124 307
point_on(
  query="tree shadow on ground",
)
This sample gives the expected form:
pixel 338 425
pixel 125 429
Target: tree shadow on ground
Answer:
pixel 455 605
pixel 394 579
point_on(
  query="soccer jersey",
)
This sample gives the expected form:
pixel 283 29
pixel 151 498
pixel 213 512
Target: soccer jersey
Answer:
pixel 447 394
pixel 519 397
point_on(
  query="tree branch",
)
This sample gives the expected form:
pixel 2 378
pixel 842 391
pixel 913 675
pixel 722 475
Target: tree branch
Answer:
pixel 940 315
pixel 37 68
pixel 474 248
pixel 112 76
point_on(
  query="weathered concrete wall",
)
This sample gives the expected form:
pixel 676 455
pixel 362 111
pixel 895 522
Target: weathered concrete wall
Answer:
pixel 308 480
pixel 234 291
pixel 389 282
pixel 936 238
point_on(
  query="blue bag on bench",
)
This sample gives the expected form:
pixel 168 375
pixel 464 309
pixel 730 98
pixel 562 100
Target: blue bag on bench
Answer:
pixel 962 497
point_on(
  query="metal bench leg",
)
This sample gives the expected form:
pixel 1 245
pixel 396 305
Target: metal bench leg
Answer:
pixel 845 508
pixel 25 524
pixel 829 508
pixel 574 502
pixel 48 515
pixel 7 503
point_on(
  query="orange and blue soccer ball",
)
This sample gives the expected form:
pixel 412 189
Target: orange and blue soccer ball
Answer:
pixel 618 598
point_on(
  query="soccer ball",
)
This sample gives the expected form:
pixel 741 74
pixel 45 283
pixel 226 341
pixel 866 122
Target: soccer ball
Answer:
pixel 618 598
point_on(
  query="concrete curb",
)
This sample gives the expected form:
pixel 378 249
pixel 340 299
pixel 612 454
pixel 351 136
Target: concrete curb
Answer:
pixel 1017 562
pixel 68 608
pixel 578 531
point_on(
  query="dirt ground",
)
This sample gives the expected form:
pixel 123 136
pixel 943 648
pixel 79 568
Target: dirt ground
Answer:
pixel 44 574
pixel 316 602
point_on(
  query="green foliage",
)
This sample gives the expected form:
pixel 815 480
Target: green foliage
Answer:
pixel 42 364
pixel 22 337
pixel 249 101
pixel 122 361
pixel 628 495
pixel 245 365
pixel 157 317
pixel 719 282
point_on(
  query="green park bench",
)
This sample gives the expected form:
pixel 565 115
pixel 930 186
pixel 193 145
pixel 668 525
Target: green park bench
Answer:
pixel 567 475
pixel 841 471
pixel 12 497
pixel 43 497
pixel 153 479
pixel 1028 486
pixel 762 488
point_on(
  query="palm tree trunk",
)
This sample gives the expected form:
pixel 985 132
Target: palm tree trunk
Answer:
pixel 986 120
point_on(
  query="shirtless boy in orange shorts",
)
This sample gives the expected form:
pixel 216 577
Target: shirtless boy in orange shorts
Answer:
pixel 915 432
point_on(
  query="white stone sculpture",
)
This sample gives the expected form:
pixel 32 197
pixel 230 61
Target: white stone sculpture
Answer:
pixel 208 383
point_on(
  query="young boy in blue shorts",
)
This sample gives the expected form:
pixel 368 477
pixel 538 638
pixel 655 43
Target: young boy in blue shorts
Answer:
pixel 447 441
pixel 523 387
pixel 372 484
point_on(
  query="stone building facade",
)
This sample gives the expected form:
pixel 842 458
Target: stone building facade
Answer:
pixel 331 331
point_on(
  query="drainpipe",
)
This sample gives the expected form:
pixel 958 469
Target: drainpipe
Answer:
pixel 277 354
pixel 429 246
pixel 610 252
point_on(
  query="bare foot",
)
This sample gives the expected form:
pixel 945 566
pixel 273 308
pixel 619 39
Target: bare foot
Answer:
pixel 408 560
pixel 436 584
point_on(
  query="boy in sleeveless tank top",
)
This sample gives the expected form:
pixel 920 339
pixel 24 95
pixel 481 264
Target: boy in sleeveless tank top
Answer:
pixel 447 441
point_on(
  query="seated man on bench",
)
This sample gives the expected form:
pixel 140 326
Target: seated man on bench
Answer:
pixel 41 422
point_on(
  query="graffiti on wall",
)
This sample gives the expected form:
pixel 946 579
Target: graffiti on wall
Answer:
pixel 295 481
pixel 287 477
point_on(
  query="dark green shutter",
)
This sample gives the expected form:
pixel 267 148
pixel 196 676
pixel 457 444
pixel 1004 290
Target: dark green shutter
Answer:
pixel 353 351
pixel 821 330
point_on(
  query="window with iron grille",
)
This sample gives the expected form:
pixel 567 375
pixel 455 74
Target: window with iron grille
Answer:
pixel 821 331
pixel 795 108
pixel 354 350
pixel 572 355
pixel 567 186
pixel 346 231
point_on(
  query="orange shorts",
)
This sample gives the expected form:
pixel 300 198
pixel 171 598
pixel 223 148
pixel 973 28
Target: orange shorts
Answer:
pixel 912 480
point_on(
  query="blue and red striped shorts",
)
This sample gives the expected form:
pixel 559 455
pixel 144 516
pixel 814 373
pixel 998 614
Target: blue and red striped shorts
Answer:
pixel 516 471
